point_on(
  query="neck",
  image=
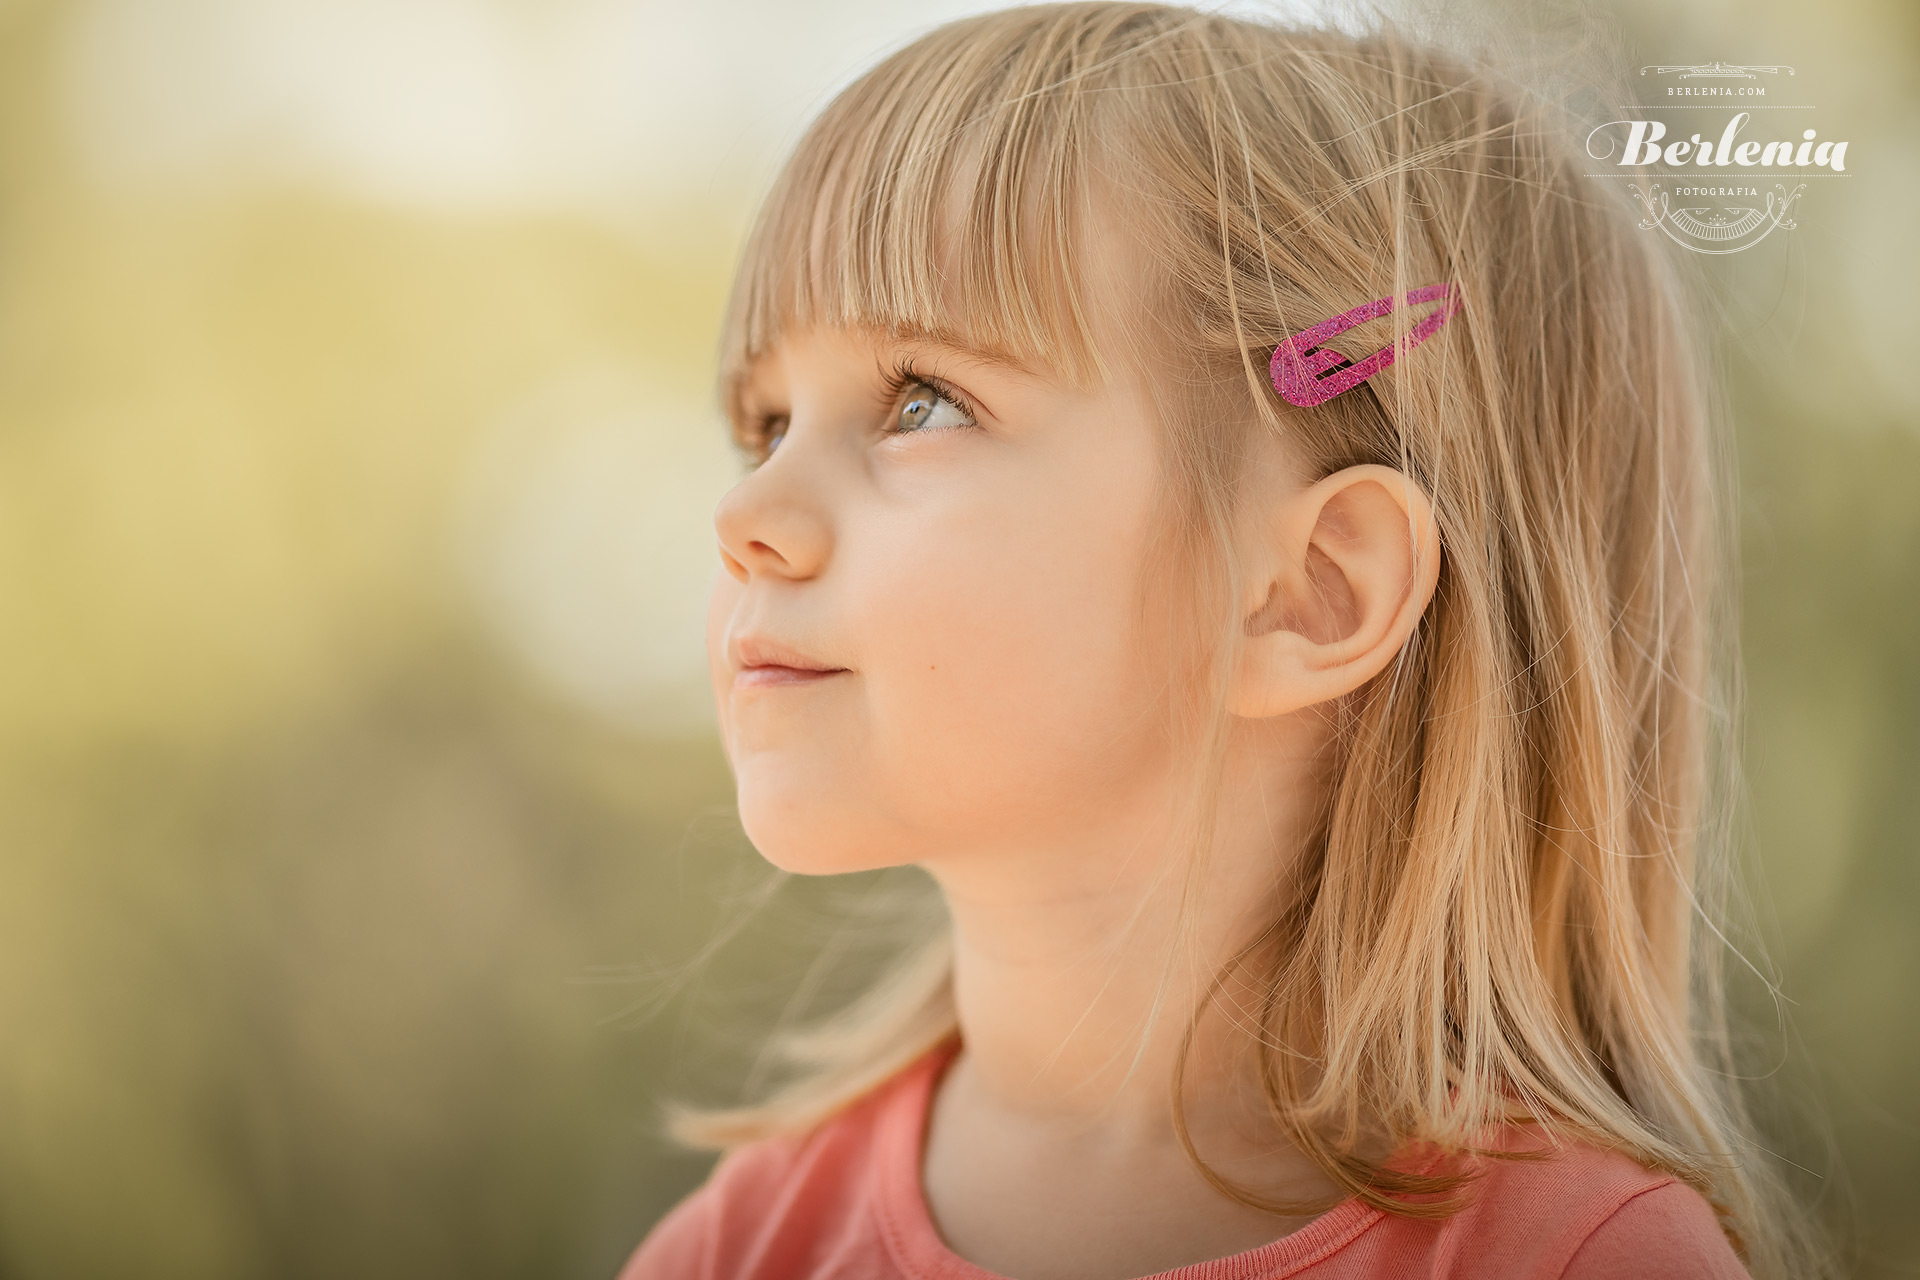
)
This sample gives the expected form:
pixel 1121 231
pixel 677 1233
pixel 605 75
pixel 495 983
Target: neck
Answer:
pixel 1078 967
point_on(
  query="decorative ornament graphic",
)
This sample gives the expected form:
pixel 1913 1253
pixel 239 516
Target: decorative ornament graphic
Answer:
pixel 1701 228
pixel 1718 71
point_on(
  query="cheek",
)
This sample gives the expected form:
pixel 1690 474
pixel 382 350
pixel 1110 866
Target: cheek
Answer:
pixel 1006 686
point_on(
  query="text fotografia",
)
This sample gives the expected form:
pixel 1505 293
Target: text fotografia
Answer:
pixel 1643 139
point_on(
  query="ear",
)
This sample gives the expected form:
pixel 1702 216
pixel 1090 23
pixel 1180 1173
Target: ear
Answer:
pixel 1347 567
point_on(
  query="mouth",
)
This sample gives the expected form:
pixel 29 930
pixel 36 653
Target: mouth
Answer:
pixel 761 662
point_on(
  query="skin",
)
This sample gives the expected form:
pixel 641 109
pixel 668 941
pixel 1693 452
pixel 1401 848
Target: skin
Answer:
pixel 997 717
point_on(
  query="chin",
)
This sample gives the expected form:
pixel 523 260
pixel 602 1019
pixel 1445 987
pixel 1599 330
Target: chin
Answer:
pixel 809 835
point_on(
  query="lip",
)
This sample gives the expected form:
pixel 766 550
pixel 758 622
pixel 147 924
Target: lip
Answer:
pixel 768 676
pixel 762 662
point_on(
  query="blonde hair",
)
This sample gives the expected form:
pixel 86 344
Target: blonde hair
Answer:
pixel 1511 899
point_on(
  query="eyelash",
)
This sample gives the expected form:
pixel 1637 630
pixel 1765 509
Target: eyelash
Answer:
pixel 759 434
pixel 905 377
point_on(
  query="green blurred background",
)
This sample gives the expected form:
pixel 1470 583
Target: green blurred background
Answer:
pixel 361 816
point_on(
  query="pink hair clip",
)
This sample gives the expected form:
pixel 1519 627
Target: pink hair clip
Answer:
pixel 1306 375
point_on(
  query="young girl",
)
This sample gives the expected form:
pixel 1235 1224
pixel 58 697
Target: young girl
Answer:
pixel 1233 504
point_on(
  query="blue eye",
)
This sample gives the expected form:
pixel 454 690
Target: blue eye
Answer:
pixel 925 408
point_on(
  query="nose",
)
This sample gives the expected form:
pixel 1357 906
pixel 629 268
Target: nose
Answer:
pixel 774 523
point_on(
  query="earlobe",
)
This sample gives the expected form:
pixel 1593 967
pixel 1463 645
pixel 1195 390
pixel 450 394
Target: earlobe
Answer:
pixel 1352 564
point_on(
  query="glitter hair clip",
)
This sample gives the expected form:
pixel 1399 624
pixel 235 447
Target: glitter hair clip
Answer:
pixel 1306 374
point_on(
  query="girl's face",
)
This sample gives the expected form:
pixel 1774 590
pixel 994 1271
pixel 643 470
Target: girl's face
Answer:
pixel 956 547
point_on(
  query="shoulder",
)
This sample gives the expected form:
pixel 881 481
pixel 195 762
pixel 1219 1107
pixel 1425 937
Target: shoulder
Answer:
pixel 1581 1212
pixel 781 1206
pixel 751 1205
pixel 1668 1232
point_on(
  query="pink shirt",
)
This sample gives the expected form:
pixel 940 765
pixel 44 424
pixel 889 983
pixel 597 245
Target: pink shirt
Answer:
pixel 844 1203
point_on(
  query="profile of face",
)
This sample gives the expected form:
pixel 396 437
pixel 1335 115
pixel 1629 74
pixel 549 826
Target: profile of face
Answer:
pixel 931 636
pixel 924 636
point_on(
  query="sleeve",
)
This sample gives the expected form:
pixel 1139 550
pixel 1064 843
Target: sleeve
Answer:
pixel 680 1246
pixel 1667 1232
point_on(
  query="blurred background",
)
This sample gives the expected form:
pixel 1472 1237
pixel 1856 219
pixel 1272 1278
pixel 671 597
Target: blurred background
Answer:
pixel 364 837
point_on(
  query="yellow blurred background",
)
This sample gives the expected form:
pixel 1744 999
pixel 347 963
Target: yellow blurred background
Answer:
pixel 360 807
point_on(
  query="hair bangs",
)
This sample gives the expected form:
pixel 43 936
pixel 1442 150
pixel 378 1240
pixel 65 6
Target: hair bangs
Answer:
pixel 942 197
